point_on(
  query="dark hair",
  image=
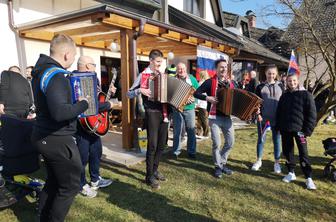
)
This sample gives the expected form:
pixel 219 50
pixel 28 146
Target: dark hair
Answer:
pixel 219 61
pixel 155 53
pixel 271 66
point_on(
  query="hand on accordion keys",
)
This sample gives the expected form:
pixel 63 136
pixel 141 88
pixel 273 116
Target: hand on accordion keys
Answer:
pixel 190 100
pixel 84 98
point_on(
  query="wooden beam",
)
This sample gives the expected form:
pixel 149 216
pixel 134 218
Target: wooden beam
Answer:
pixel 85 30
pixel 174 36
pixel 154 30
pixel 121 22
pixel 102 37
pixel 191 40
pixel 207 44
pixel 125 84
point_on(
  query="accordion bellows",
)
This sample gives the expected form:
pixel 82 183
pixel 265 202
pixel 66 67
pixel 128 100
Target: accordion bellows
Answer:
pixel 237 102
pixel 168 89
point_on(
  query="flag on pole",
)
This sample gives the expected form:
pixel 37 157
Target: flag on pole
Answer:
pixel 293 67
pixel 206 58
pixel 266 128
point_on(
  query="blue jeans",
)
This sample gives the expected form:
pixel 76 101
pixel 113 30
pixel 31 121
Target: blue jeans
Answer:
pixel 91 150
pixel 224 124
pixel 188 117
pixel 261 141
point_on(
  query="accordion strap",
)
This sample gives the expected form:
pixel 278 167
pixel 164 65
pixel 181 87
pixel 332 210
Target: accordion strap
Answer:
pixel 47 76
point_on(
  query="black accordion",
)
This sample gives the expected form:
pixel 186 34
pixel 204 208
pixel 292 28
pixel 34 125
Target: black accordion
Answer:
pixel 168 89
pixel 84 84
pixel 237 102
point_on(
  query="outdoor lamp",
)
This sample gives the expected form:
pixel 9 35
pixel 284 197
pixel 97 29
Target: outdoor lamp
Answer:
pixel 170 55
pixel 114 47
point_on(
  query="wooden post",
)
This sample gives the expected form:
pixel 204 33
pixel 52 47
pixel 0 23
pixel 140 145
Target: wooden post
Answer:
pixel 127 116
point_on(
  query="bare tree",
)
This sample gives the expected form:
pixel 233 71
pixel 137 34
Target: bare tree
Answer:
pixel 312 32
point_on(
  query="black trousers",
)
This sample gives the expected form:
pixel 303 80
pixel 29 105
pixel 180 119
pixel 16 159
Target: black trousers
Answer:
pixel 63 166
pixel 157 133
pixel 288 151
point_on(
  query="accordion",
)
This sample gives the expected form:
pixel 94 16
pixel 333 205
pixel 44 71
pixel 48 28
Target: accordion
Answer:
pixel 168 89
pixel 237 102
pixel 84 84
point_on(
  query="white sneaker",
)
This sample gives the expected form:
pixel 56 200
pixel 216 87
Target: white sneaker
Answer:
pixel 88 191
pixel 310 184
pixel 289 177
pixel 277 168
pixel 256 166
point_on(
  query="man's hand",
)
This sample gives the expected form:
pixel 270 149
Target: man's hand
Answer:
pixel 259 118
pixel 31 116
pixel 84 98
pixel 145 92
pixel 2 109
pixel 211 99
pixel 190 100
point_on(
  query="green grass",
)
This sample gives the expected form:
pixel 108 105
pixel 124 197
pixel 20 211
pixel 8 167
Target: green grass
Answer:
pixel 193 194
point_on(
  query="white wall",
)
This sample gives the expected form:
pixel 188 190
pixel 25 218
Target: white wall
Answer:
pixel 176 4
pixel 26 11
pixel 209 15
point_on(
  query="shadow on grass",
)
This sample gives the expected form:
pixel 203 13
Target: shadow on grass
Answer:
pixel 201 163
pixel 24 210
pixel 121 170
pixel 150 205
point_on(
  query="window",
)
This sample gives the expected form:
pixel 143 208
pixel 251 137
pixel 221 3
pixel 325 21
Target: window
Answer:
pixel 193 7
pixel 244 29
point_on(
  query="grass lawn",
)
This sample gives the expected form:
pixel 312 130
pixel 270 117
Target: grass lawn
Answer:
pixel 193 194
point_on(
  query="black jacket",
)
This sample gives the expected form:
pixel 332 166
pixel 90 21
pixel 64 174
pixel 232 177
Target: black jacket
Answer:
pixel 15 94
pixel 56 115
pixel 296 112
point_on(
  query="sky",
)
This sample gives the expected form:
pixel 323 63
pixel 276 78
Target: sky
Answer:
pixel 241 6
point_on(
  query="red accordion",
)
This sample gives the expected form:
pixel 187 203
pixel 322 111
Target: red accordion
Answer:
pixel 168 89
pixel 237 102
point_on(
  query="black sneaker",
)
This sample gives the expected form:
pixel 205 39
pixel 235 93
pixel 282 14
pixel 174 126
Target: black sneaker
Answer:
pixel 153 183
pixel 192 156
pixel 159 176
pixel 218 172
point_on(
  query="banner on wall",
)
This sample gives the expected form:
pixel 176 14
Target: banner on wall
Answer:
pixel 206 58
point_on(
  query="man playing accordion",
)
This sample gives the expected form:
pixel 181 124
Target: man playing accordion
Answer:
pixel 217 120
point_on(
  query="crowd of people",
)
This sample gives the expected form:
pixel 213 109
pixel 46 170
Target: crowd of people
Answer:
pixel 287 109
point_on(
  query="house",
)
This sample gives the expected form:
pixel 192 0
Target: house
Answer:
pixel 229 27
pixel 262 40
pixel 28 25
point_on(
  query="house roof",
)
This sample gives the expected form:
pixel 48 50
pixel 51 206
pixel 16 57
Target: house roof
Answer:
pixel 321 16
pixel 99 26
pixel 257 33
pixel 230 19
pixel 143 7
pixel 250 48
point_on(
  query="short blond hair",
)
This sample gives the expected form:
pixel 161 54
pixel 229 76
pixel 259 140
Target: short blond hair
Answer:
pixel 60 42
